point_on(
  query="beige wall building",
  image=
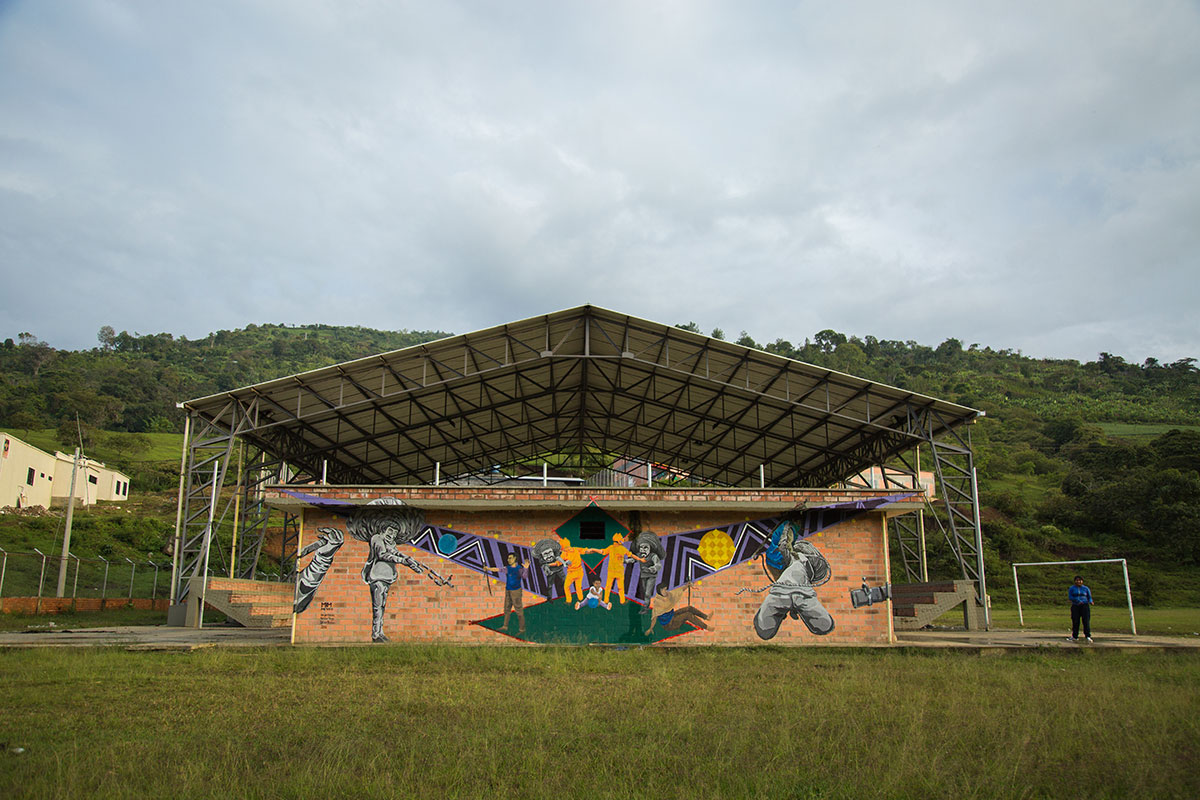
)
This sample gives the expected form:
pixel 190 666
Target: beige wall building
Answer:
pixel 26 474
pixel 93 482
pixel 32 477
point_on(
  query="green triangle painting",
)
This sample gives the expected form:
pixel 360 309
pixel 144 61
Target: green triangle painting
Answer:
pixel 557 622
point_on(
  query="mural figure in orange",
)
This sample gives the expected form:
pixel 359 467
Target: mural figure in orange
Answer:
pixel 573 556
pixel 618 556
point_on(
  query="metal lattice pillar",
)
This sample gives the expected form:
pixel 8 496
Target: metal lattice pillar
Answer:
pixel 956 513
pixel 207 455
pixel 908 529
pixel 261 469
pixel 289 546
pixel 264 469
pixel 954 468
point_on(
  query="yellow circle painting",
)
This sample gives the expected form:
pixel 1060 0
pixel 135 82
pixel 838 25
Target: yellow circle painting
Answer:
pixel 716 548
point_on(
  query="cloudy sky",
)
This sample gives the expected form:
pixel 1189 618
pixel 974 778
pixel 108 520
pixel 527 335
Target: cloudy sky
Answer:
pixel 1021 175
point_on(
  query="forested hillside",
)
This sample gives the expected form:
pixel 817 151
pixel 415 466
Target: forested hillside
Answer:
pixel 1076 460
pixel 132 383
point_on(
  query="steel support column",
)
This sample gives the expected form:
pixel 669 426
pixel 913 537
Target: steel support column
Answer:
pixel 209 445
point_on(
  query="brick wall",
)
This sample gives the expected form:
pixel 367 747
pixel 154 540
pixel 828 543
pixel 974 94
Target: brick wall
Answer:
pixel 58 605
pixel 419 611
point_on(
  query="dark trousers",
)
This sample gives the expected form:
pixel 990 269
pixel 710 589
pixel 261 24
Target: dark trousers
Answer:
pixel 1081 611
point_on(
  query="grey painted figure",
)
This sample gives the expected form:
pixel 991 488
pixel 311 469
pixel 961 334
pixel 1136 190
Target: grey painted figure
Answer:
pixel 329 541
pixel 547 553
pixel 385 529
pixel 792 592
pixel 648 550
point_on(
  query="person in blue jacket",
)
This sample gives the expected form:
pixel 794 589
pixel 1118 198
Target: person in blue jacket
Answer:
pixel 1081 609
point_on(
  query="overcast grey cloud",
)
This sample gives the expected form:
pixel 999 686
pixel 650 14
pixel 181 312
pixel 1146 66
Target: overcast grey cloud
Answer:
pixel 1024 176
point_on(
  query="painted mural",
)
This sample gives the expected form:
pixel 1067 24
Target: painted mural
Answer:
pixel 599 581
pixel 382 525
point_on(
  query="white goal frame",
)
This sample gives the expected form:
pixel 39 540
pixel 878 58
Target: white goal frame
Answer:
pixel 1124 570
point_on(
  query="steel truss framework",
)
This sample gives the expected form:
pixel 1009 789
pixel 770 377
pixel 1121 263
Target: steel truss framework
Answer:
pixel 584 381
pixel 954 512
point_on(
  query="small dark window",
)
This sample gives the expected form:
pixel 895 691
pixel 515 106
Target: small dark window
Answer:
pixel 92 479
pixel 29 477
pixel 591 529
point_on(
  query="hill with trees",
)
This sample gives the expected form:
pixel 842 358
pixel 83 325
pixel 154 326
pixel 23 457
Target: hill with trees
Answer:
pixel 1076 460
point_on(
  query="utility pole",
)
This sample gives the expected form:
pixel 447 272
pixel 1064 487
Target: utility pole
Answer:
pixel 66 545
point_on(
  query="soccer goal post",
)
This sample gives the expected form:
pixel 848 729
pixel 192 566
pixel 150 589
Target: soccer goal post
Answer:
pixel 1124 571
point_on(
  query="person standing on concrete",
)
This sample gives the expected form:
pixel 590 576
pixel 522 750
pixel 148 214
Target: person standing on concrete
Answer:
pixel 1081 609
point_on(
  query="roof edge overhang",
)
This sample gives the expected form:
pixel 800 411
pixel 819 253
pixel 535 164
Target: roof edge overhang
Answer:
pixel 474 499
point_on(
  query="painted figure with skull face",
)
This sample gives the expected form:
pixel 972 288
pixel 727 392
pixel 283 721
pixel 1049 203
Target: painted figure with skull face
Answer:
pixel 547 554
pixel 382 526
pixel 649 551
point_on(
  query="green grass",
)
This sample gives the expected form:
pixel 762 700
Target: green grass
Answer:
pixel 83 619
pixel 1143 432
pixel 163 446
pixel 108 618
pixel 1105 619
pixel 440 722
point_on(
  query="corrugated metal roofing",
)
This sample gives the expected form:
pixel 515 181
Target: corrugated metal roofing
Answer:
pixel 581 379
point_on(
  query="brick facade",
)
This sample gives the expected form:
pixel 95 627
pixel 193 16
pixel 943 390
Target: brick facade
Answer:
pixel 60 605
pixel 419 611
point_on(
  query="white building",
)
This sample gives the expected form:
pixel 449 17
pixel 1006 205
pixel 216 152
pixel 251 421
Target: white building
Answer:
pixel 93 482
pixel 26 474
pixel 33 477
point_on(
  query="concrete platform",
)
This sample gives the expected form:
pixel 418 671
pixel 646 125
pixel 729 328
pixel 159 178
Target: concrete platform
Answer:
pixel 150 637
pixel 1024 639
pixel 162 637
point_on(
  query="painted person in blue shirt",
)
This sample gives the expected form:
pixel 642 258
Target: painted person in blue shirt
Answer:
pixel 1081 609
pixel 513 574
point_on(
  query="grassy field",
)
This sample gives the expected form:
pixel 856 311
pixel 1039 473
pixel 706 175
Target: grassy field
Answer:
pixel 161 446
pixel 110 617
pixel 435 722
pixel 1105 619
pixel 1143 432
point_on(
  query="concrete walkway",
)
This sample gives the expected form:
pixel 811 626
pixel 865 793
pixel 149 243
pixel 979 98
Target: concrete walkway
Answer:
pixel 1022 639
pixel 162 637
pixel 149 637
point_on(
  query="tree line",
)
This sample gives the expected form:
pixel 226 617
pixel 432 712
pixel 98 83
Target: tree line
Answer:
pixel 1052 482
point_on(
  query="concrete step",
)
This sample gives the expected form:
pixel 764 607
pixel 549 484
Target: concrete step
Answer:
pixel 255 587
pixel 246 603
pixel 916 605
pixel 923 588
pixel 259 597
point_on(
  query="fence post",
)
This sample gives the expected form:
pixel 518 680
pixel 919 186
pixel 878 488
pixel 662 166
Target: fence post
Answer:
pixel 132 571
pixel 154 591
pixel 3 569
pixel 103 586
pixel 41 579
pixel 75 585
pixel 1017 589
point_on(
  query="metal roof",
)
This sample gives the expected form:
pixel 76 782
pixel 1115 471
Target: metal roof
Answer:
pixel 584 379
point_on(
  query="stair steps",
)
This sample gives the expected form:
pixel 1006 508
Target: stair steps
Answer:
pixel 252 604
pixel 915 605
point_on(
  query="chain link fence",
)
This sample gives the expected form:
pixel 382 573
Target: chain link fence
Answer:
pixel 29 582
